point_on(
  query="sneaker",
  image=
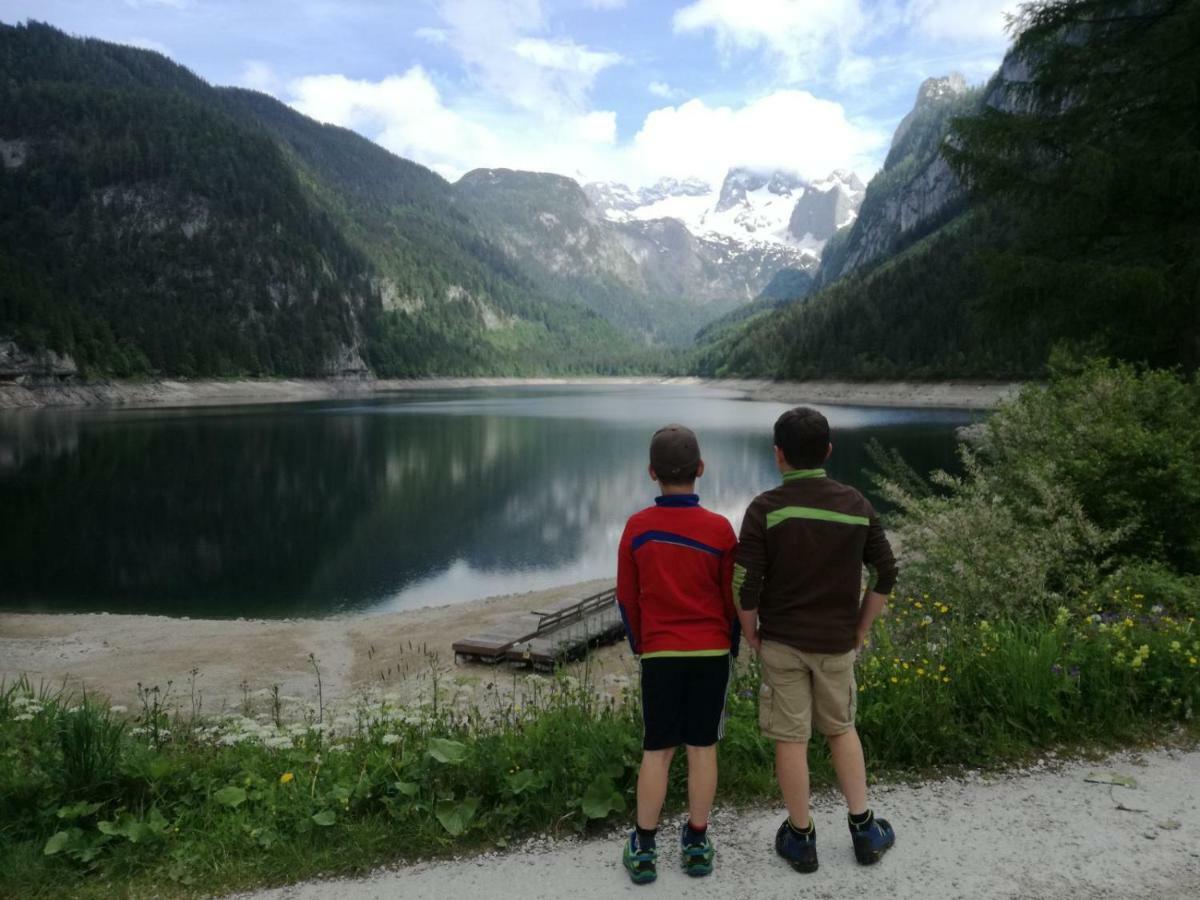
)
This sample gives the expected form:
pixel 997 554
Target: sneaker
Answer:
pixel 642 865
pixel 697 857
pixel 798 849
pixel 872 840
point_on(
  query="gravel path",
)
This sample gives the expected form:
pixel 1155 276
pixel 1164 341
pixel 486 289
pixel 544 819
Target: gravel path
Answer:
pixel 1044 832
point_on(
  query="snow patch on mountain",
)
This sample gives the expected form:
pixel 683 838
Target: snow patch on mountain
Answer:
pixel 759 210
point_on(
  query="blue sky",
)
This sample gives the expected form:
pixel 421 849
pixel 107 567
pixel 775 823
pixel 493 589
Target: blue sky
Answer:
pixel 626 90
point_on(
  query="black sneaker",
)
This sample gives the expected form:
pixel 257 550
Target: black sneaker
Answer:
pixel 872 839
pixel 798 849
pixel 642 865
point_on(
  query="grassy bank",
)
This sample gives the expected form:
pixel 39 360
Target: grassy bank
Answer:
pixel 95 802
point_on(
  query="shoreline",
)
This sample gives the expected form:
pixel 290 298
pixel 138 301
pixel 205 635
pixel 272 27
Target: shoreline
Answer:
pixel 173 394
pixel 239 661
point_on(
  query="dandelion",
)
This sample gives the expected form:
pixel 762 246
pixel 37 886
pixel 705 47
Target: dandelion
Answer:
pixel 287 778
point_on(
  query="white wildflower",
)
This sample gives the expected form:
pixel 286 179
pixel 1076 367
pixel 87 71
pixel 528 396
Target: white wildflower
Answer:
pixel 23 717
pixel 389 739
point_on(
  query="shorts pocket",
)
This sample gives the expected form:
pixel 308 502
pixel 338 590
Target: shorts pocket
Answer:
pixel 843 662
pixel 766 705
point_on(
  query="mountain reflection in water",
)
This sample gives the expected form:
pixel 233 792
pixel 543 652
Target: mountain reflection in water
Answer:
pixel 426 498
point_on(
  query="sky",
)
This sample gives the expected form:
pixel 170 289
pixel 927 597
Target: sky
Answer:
pixel 617 90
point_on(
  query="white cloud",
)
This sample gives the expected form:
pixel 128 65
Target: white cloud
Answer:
pixel 403 113
pixel 606 4
pixel 260 76
pixel 787 129
pixel 565 56
pixel 501 46
pixel 664 90
pixel 408 115
pixel 960 20
pixel 803 35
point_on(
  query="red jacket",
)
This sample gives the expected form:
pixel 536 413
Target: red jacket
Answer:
pixel 674 579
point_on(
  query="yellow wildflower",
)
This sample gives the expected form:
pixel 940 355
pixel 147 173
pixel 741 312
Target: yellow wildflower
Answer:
pixel 941 668
pixel 920 671
pixel 895 680
pixel 945 679
pixel 287 778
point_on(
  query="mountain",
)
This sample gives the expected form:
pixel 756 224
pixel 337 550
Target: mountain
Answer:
pixel 597 245
pixel 153 224
pixel 915 191
pixel 755 210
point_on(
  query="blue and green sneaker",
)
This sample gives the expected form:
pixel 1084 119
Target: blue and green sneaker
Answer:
pixel 872 839
pixel 642 865
pixel 697 855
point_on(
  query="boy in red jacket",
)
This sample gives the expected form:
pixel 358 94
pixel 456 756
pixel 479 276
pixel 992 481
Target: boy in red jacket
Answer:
pixel 674 575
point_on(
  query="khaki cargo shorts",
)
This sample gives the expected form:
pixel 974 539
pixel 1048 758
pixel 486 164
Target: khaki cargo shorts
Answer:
pixel 800 690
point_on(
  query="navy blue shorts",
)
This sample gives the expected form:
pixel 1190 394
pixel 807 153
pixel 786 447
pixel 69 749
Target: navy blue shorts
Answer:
pixel 683 700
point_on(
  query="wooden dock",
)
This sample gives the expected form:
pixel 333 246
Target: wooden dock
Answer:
pixel 548 636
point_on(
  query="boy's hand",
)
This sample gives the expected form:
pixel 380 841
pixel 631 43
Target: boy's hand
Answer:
pixel 754 640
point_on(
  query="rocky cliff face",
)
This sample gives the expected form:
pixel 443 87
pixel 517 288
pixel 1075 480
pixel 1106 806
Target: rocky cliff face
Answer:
pixel 24 367
pixel 915 189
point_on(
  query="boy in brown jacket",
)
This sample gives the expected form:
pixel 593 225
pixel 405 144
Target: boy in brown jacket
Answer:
pixel 797 585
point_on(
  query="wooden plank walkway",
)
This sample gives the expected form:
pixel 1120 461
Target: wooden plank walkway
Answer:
pixel 545 637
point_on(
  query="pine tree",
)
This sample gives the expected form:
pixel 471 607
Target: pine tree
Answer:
pixel 1096 156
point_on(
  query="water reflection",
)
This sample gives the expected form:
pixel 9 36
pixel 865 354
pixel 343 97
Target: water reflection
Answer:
pixel 316 509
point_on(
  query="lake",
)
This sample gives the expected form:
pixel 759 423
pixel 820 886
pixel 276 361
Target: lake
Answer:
pixel 423 498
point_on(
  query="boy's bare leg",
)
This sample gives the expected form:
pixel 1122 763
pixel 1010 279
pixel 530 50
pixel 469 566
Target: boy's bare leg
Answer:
pixel 847 752
pixel 702 783
pixel 791 769
pixel 652 786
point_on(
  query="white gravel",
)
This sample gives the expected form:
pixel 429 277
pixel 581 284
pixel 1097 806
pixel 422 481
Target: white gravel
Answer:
pixel 1043 832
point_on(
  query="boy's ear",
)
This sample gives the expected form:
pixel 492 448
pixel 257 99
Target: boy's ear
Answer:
pixel 653 474
pixel 829 450
pixel 780 459
pixel 700 468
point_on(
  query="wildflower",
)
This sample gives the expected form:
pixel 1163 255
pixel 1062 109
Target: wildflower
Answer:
pixel 1074 673
pixel 389 739
pixel 1128 622
pixel 1056 669
pixel 287 778
pixel 945 679
pixel 1175 645
pixel 920 671
pixel 1136 662
pixel 896 680
pixel 927 621
pixel 1191 660
pixel 1063 614
pixel 23 717
pixel 941 668
pixel 119 709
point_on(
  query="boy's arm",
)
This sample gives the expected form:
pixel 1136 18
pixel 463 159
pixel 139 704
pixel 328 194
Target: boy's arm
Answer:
pixel 750 564
pixel 726 576
pixel 628 591
pixel 877 555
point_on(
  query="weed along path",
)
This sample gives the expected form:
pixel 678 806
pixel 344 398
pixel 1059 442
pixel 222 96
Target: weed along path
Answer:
pixel 1051 831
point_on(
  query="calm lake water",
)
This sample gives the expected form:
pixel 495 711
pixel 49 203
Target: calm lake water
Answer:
pixel 417 499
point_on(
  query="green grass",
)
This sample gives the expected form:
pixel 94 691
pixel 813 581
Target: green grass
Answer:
pixel 96 804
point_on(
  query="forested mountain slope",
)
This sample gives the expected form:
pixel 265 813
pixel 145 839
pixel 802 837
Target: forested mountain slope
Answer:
pixel 1081 227
pixel 150 223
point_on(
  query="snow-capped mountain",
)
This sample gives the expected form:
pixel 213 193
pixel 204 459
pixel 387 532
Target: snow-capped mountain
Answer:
pixel 778 211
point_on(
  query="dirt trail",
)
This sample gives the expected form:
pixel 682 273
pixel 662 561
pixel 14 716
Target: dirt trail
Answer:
pixel 1042 833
